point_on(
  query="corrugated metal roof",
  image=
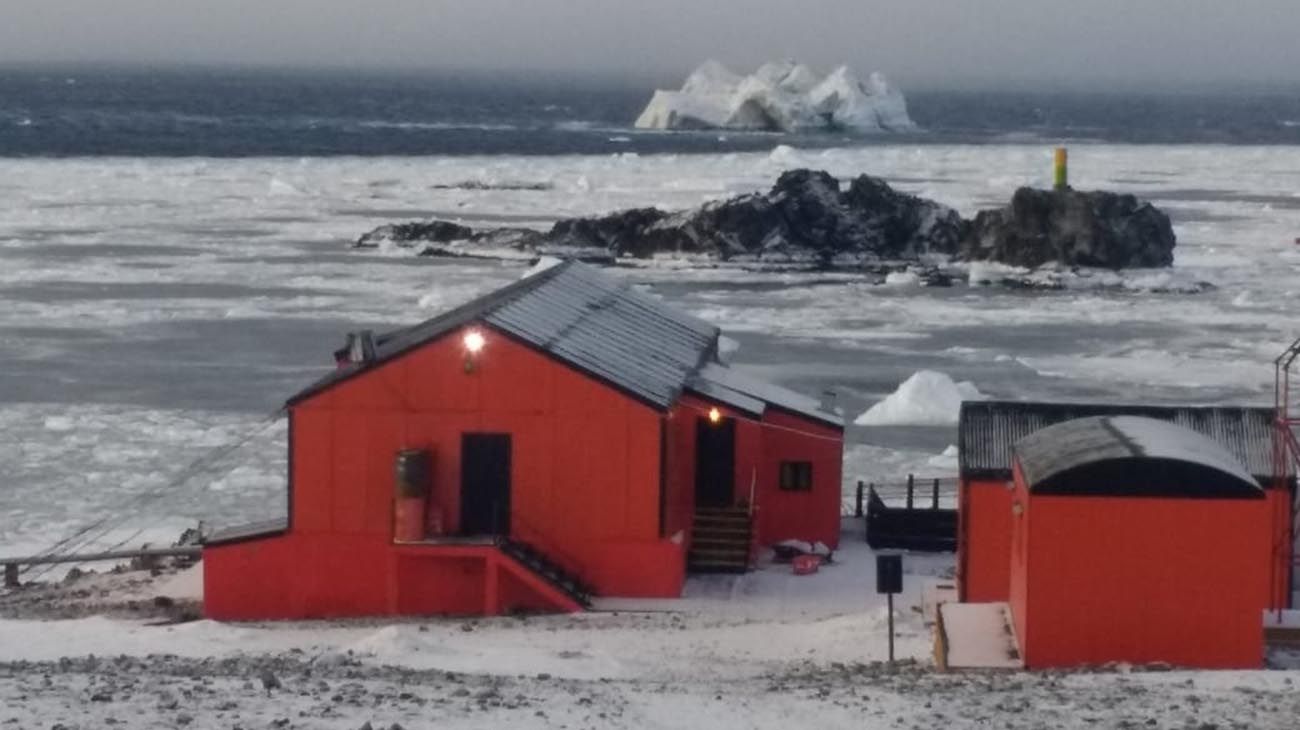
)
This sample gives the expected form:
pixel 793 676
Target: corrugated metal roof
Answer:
pixel 722 378
pixel 595 322
pixel 716 391
pixel 988 429
pixel 1130 456
pixel 249 531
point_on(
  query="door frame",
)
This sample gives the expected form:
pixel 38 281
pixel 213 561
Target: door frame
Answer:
pixel 499 512
pixel 705 426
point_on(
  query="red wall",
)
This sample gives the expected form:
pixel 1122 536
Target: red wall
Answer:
pixel 585 458
pixel 813 515
pixel 585 471
pixel 586 491
pixel 1142 580
pixel 984 542
pixel 1281 547
pixel 761 446
pixel 270 579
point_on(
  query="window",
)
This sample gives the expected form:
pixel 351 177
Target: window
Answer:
pixel 796 476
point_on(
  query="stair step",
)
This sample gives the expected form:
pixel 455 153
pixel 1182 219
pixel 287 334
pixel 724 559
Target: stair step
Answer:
pixel 543 567
pixel 703 540
pixel 706 555
pixel 725 536
pixel 719 567
pixel 722 525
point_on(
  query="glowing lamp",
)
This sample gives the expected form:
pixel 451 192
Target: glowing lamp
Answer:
pixel 715 415
pixel 474 342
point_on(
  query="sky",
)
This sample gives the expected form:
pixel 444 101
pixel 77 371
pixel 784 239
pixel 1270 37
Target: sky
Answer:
pixel 934 43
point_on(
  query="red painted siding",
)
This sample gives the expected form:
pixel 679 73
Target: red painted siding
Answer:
pixel 600 482
pixel 761 446
pixel 984 544
pixel 584 471
pixel 812 515
pixel 1104 579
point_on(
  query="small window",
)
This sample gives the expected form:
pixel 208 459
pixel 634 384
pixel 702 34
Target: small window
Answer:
pixel 796 476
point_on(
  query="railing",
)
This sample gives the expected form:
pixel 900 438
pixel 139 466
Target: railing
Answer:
pixel 147 556
pixel 938 492
pixel 911 514
pixel 538 540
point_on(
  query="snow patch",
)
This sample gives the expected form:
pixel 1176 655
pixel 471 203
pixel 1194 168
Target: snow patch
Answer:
pixel 927 398
pixel 544 263
pixel 902 279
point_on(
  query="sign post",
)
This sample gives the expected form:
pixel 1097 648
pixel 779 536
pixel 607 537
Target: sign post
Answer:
pixel 889 580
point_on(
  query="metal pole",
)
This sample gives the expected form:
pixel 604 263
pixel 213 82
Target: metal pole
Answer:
pixel 911 483
pixel 857 505
pixel 934 504
pixel 891 627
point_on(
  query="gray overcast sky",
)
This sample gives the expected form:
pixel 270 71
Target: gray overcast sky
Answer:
pixel 917 42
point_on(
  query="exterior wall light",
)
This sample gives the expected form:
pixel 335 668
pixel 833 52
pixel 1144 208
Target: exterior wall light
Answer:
pixel 474 342
pixel 715 416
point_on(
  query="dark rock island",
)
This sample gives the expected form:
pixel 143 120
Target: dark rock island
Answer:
pixel 809 218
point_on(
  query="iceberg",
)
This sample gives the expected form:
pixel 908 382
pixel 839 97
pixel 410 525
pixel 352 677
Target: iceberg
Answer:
pixel 781 96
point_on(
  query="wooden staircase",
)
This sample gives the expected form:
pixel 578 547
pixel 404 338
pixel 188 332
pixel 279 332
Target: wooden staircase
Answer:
pixel 721 540
pixel 550 571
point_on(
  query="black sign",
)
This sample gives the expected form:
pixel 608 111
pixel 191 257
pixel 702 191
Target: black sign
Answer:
pixel 889 574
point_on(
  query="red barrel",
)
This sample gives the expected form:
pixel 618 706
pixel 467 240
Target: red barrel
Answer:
pixel 408 519
pixel 413 472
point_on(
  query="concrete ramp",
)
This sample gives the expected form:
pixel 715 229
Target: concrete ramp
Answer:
pixel 975 636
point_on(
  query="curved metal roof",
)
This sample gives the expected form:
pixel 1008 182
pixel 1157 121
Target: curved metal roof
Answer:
pixel 988 429
pixel 1130 456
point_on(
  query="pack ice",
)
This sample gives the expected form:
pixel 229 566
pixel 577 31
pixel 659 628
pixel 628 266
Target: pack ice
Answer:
pixel 781 96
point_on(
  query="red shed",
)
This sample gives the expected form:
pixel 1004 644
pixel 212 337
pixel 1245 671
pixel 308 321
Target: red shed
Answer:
pixel 988 430
pixel 1135 540
pixel 562 437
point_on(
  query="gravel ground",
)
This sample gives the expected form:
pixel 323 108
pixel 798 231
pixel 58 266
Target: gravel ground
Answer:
pixel 292 690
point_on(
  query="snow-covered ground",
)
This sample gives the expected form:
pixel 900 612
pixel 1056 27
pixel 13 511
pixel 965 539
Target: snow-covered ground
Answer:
pixel 767 649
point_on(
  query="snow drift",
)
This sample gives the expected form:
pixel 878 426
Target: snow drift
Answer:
pixel 928 398
pixel 781 96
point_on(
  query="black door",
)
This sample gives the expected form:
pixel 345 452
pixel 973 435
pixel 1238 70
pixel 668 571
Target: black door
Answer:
pixel 715 462
pixel 485 484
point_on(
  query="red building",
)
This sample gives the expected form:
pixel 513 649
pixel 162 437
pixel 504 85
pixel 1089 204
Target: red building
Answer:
pixel 1136 540
pixel 562 437
pixel 987 433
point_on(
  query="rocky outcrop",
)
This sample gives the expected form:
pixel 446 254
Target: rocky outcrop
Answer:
pixel 805 217
pixel 1071 228
pixel 808 217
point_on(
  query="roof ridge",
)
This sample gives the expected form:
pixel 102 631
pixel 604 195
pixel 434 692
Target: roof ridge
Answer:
pixel 498 298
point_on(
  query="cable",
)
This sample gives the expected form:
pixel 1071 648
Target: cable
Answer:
pixel 98 529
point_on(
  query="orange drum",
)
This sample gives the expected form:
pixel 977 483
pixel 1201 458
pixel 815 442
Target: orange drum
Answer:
pixel 408 519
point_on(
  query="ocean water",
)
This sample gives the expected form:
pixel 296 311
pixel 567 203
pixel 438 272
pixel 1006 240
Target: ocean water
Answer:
pixel 162 292
pixel 77 112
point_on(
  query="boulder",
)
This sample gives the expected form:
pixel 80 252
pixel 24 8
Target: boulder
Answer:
pixel 1071 228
